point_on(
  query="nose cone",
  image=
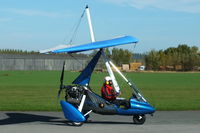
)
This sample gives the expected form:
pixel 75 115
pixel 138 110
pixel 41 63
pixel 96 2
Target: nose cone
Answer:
pixel 71 113
pixel 150 109
pixel 142 107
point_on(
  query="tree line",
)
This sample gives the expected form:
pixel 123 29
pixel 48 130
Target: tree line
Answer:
pixel 183 58
pixel 17 51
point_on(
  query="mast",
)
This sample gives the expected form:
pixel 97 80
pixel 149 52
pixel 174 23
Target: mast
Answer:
pixel 115 84
pixel 90 23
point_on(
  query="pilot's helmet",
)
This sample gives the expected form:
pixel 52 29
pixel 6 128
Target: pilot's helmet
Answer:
pixel 108 80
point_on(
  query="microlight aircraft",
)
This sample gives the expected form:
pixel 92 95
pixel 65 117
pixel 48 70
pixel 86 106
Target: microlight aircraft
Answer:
pixel 80 100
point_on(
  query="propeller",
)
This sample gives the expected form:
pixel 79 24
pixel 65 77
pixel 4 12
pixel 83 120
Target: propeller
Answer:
pixel 61 80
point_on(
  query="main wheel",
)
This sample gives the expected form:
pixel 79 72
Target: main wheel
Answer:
pixel 77 123
pixel 139 119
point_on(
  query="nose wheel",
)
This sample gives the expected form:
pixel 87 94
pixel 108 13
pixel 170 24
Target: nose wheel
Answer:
pixel 139 119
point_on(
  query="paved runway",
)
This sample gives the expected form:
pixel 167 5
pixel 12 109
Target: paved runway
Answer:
pixel 54 122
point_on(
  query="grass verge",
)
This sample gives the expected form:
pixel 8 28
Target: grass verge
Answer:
pixel 37 90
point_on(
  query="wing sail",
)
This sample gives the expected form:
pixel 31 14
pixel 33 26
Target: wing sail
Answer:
pixel 97 45
pixel 84 77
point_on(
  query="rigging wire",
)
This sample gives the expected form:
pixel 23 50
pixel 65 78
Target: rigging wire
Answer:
pixel 73 30
pixel 76 28
pixel 74 33
pixel 81 63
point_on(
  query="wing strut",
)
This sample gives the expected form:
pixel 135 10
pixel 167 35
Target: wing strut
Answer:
pixel 132 85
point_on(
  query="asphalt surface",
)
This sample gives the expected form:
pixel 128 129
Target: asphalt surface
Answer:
pixel 54 122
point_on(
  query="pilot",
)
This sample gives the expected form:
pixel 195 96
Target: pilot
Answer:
pixel 108 93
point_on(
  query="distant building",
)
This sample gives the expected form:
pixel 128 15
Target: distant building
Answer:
pixel 125 67
pixel 42 62
pixel 135 66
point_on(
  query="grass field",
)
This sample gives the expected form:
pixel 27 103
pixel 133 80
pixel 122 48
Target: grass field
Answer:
pixel 37 90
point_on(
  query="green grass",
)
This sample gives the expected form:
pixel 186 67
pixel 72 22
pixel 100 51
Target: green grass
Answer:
pixel 37 90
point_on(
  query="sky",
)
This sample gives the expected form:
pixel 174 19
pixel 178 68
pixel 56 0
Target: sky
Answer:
pixel 41 24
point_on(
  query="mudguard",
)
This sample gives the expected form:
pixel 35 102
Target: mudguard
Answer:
pixel 71 113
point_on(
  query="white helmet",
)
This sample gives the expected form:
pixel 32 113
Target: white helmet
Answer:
pixel 107 78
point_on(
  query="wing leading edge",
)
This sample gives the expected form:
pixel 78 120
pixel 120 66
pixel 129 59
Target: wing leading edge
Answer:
pixel 98 45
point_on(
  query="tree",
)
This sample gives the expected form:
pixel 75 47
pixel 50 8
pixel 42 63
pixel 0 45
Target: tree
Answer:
pixel 120 56
pixel 107 52
pixel 152 60
pixel 187 57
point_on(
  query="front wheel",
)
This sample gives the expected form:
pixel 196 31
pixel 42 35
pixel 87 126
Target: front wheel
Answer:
pixel 139 119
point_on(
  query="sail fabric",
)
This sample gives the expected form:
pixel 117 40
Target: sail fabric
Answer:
pixel 98 45
pixel 84 77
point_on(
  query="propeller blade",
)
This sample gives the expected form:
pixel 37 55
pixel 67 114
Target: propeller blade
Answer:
pixel 61 80
pixel 62 74
pixel 59 92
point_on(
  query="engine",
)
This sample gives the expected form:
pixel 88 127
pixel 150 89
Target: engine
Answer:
pixel 73 94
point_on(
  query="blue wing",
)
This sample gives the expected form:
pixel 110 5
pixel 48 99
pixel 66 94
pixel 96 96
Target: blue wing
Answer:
pixel 98 45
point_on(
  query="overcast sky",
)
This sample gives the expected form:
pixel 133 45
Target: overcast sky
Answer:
pixel 41 24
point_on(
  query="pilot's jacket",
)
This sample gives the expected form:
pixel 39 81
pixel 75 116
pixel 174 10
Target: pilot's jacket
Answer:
pixel 108 92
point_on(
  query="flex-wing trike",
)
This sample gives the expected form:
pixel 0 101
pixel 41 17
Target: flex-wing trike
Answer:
pixel 80 100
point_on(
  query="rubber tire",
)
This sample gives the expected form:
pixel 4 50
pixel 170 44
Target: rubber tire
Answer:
pixel 139 119
pixel 77 124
